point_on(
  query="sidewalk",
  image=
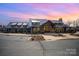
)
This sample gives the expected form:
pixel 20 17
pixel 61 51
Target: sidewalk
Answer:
pixel 47 36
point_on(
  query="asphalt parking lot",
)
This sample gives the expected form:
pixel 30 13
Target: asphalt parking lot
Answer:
pixel 19 45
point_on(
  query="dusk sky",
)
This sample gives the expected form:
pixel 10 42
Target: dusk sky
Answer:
pixel 52 11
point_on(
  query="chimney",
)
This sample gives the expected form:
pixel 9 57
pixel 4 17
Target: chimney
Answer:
pixel 60 19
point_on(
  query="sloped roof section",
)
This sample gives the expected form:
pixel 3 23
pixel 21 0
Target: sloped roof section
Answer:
pixel 19 23
pixel 13 23
pixel 56 21
pixel 25 23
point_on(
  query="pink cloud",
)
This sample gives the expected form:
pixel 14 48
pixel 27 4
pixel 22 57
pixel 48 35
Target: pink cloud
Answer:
pixel 15 14
pixel 24 16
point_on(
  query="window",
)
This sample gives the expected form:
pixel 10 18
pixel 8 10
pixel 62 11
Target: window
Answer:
pixel 35 23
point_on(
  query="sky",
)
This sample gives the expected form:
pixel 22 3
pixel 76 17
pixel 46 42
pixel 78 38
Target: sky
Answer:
pixel 51 11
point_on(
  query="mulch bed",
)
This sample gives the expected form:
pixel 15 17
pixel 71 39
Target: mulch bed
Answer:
pixel 37 38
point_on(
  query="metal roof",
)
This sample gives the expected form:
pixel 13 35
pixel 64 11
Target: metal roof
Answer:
pixel 25 23
pixel 35 21
pixel 13 23
pixel 56 21
pixel 19 23
pixel 29 23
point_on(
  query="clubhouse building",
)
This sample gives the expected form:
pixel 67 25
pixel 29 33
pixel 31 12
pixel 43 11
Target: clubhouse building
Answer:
pixel 37 26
